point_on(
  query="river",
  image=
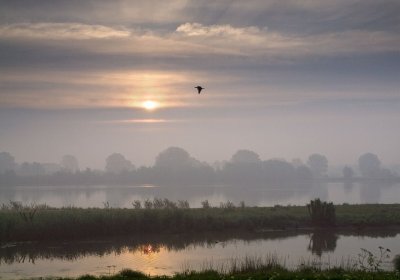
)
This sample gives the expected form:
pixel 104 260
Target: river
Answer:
pixel 169 254
pixel 123 196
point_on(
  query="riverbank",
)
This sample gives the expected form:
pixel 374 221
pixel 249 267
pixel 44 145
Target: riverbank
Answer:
pixel 36 223
pixel 276 273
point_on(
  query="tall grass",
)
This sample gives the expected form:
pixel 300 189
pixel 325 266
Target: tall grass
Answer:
pixel 257 269
pixel 248 264
pixel 40 222
pixel 396 263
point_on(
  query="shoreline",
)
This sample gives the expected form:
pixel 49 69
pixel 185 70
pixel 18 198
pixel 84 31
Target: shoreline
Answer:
pixel 46 223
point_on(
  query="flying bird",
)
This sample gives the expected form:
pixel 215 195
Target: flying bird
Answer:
pixel 199 88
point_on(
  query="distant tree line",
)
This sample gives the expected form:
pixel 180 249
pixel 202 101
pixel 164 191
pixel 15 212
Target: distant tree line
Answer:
pixel 175 166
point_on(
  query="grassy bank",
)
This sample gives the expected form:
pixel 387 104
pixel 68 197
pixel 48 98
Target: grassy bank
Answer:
pixel 22 223
pixel 275 273
pixel 250 268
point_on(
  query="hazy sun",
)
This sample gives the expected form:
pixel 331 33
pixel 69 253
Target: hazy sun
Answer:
pixel 150 105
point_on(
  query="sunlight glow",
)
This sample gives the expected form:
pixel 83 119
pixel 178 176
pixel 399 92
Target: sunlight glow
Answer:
pixel 150 105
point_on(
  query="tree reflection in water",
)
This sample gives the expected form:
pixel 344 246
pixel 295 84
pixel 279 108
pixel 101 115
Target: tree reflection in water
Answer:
pixel 322 241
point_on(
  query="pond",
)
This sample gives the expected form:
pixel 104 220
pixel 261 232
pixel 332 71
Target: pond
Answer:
pixel 168 254
pixel 123 196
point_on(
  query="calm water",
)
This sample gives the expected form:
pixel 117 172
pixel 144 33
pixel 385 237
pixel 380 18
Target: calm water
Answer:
pixel 96 196
pixel 169 254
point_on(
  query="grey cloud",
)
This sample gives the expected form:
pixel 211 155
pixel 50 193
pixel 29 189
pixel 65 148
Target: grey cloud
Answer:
pixel 54 31
pixel 295 17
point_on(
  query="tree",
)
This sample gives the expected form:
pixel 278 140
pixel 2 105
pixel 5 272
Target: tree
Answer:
pixel 245 167
pixel 175 165
pixel 245 156
pixel 117 163
pixel 31 169
pixel 69 163
pixel 370 165
pixel 318 164
pixel 303 174
pixel 174 158
pixel 278 171
pixel 321 212
pixel 7 162
pixel 348 173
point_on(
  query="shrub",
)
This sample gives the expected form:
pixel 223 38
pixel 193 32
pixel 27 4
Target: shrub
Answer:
pixel 131 274
pixel 205 204
pixel 321 213
pixel 396 262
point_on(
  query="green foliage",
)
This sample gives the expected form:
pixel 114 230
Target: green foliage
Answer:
pixel 367 261
pixel 321 213
pixel 396 262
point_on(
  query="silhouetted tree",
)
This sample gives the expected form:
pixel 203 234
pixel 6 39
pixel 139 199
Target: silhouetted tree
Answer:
pixel 370 165
pixel 245 156
pixel 7 162
pixel 51 168
pixel 69 163
pixel 278 171
pixel 318 164
pixel 174 158
pixel 117 163
pixel 244 167
pixel 176 165
pixel 303 174
pixel 31 169
pixel 321 212
pixel 348 173
pixel 296 162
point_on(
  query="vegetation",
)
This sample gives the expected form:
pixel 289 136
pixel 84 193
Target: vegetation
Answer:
pixel 396 263
pixel 321 213
pixel 176 166
pixel 22 223
pixel 253 269
pixel 275 274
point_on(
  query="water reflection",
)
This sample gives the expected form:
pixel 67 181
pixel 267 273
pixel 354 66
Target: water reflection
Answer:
pixel 370 192
pixel 319 242
pixel 123 196
pixel 322 241
pixel 149 249
pixel 167 254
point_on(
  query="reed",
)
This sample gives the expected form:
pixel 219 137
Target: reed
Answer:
pixel 40 222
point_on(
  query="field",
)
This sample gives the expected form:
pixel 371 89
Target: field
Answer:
pixel 28 223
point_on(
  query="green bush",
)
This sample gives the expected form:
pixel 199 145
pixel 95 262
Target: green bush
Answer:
pixel 321 213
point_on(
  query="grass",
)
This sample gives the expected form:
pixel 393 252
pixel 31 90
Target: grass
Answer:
pixel 254 268
pixel 257 273
pixel 27 223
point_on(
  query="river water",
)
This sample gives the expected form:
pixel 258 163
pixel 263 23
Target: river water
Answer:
pixel 123 196
pixel 156 255
pixel 169 254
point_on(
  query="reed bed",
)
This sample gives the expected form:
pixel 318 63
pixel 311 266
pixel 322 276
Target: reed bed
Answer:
pixel 39 222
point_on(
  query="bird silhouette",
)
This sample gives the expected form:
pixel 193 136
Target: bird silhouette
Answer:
pixel 199 88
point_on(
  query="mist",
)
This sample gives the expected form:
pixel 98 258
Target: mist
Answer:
pixel 209 134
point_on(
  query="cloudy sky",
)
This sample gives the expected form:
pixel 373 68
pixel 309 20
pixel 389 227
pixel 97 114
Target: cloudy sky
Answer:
pixel 282 78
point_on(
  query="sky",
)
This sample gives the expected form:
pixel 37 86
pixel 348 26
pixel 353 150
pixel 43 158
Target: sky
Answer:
pixel 283 78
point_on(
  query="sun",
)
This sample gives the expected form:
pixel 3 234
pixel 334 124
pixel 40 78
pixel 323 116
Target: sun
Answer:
pixel 150 105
